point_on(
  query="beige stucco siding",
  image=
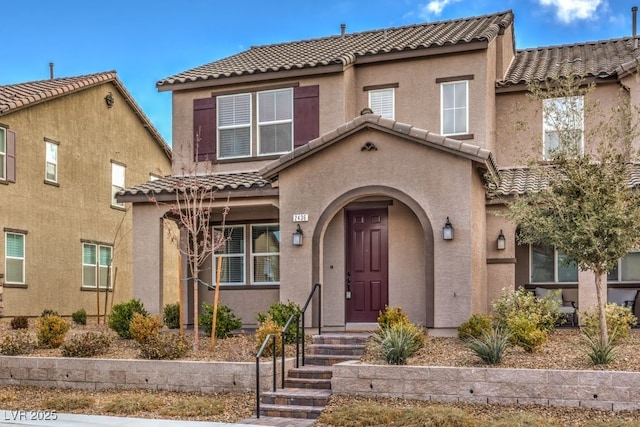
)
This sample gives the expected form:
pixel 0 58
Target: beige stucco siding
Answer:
pixel 57 218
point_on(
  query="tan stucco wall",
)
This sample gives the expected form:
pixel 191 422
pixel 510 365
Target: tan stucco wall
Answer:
pixel 57 218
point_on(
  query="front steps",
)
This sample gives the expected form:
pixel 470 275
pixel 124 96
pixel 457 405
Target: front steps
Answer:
pixel 308 388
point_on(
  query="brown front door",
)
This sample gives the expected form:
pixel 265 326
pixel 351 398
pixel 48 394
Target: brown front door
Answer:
pixel 367 288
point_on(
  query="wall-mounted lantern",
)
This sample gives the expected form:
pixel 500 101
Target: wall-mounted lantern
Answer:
pixel 447 230
pixel 297 236
pixel 502 242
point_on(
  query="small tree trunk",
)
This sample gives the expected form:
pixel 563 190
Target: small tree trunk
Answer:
pixel 196 340
pixel 180 303
pixel 113 288
pixel 215 305
pixel 604 333
pixel 106 293
pixel 98 293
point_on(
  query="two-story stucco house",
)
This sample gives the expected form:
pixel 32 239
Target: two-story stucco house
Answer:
pixel 67 145
pixel 376 147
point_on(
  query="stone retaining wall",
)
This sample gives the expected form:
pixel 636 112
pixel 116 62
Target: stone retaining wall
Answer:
pixel 98 374
pixel 605 390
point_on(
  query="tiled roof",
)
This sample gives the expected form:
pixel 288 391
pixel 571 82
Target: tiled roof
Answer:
pixel 454 146
pixel 219 182
pixel 591 59
pixel 346 49
pixel 22 95
pixel 522 180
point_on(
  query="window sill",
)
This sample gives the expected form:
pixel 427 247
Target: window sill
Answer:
pixel 249 159
pixel 119 208
pixel 83 289
pixel 52 183
pixel 461 137
pixel 16 285
pixel 244 287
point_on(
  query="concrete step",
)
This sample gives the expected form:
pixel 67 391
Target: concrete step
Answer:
pixel 326 359
pixel 337 349
pixel 285 411
pixel 311 372
pixel 296 397
pixel 308 383
pixel 349 338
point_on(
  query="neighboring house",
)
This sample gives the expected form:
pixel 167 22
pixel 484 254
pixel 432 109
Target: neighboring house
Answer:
pixel 67 145
pixel 393 206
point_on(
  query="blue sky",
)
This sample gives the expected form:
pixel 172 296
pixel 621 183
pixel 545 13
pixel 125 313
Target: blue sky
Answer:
pixel 145 41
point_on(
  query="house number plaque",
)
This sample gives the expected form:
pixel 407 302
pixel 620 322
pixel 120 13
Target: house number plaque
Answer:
pixel 300 217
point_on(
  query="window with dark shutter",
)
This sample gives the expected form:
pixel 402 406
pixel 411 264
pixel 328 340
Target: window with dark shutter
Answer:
pixel 306 114
pixel 204 129
pixel 11 156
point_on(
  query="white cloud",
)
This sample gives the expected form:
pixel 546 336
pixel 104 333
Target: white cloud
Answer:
pixel 568 11
pixel 434 8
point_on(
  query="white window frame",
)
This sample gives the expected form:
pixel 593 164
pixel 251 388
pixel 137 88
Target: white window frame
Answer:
pixel 454 107
pixel 51 158
pixel 229 230
pixel 619 279
pixel 241 125
pixel 118 177
pixel 554 121
pixel 275 121
pixel 22 258
pixel 254 255
pixel 556 268
pixel 3 154
pixel 383 102
pixel 97 266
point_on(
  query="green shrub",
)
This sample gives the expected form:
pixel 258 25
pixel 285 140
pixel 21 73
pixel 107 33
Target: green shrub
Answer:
pixel 226 321
pixel 51 331
pixel 269 326
pixel 526 333
pixel 475 327
pixel 20 322
pixel 490 345
pixel 619 319
pixel 49 312
pixel 16 343
pixel 397 342
pixel 86 345
pixel 393 317
pixel 280 313
pixel 600 353
pixel 543 312
pixel 163 346
pixel 121 316
pixel 142 328
pixel 171 315
pixel 80 316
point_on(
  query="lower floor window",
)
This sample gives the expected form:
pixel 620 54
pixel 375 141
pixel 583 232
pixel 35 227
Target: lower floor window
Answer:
pixel 14 258
pixel 258 243
pixel 96 265
pixel 627 270
pixel 551 265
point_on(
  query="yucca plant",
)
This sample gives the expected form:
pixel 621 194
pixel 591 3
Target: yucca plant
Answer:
pixel 490 346
pixel 600 353
pixel 398 342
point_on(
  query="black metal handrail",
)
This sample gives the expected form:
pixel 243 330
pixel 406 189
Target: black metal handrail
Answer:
pixel 295 316
pixel 304 309
pixel 262 348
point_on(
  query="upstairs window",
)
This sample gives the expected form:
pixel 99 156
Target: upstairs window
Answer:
pixel 3 154
pixel 7 155
pixel 549 265
pixel 563 125
pixel 382 101
pixel 96 263
pixel 234 126
pixel 275 121
pixel 14 258
pixel 51 162
pixel 117 183
pixel 454 108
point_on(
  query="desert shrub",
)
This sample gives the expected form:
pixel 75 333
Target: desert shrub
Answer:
pixel 619 319
pixel 280 313
pixel 226 321
pixel 269 326
pixel 490 345
pixel 526 333
pixel 16 343
pixel 142 328
pixel 164 347
pixel 20 322
pixel 600 353
pixel 80 316
pixel 543 312
pixel 121 315
pixel 49 312
pixel 394 317
pixel 475 327
pixel 86 345
pixel 171 315
pixel 51 330
pixel 397 342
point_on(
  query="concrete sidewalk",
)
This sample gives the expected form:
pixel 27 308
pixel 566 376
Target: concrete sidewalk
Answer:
pixel 46 418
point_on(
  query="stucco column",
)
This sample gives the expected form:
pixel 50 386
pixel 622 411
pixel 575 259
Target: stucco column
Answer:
pixel 147 256
pixel 587 296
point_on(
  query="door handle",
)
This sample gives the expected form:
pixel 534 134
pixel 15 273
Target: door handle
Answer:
pixel 348 294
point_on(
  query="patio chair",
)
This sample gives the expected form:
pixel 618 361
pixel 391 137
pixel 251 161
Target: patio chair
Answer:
pixel 623 297
pixel 568 308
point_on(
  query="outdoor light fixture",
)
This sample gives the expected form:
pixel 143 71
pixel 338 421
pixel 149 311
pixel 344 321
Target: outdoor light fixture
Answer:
pixel 447 230
pixel 297 236
pixel 109 100
pixel 501 241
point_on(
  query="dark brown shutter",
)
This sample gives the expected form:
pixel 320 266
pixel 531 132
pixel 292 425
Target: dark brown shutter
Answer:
pixel 11 156
pixel 306 114
pixel 204 127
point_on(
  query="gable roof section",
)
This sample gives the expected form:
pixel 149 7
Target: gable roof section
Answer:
pixel 23 95
pixel 374 121
pixel 601 59
pixel 346 49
